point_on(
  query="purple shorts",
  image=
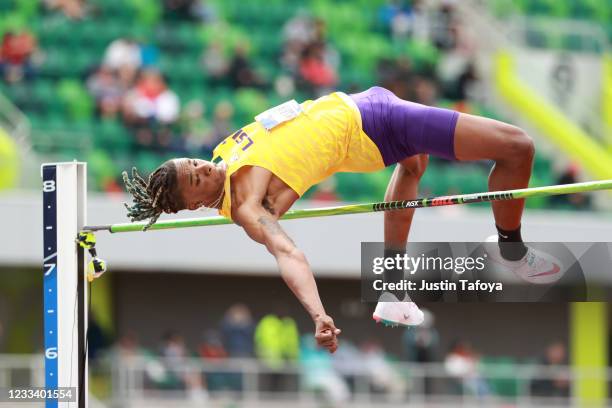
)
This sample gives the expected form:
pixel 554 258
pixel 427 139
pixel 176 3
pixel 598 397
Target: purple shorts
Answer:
pixel 401 129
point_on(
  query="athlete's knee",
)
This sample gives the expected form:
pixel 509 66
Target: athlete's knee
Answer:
pixel 518 146
pixel 413 167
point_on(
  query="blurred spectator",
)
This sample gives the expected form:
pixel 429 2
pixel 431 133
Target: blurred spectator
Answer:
pixel 300 34
pixel 16 52
pixel 204 11
pixel 300 29
pixel 73 9
pixel 421 345
pixel 467 81
pixel 277 340
pixel 211 347
pixel 421 21
pixel 318 76
pixel 578 201
pixel 215 62
pixel 174 354
pixel 241 72
pixel 462 363
pixel 128 346
pixel 557 385
pixel 237 329
pixel 277 343
pixel 151 100
pixel 403 19
pixel 123 52
pixel 107 91
pixel 391 12
pixel 445 26
pixel 150 107
pixel 384 377
pixel 348 362
pixel 129 351
pixel 149 54
pixel 425 91
pixel 397 76
pixel 292 52
pixel 124 56
pixel 318 374
pixel 284 85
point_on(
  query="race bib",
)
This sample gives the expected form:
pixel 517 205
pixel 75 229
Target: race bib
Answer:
pixel 279 114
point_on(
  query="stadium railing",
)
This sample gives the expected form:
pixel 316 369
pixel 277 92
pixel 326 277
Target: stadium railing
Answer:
pixel 141 379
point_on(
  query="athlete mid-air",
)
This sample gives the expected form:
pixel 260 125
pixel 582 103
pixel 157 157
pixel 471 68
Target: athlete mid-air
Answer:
pixel 258 173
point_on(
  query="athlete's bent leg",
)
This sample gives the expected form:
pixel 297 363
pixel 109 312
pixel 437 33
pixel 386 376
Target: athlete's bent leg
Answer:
pixel 402 186
pixel 512 150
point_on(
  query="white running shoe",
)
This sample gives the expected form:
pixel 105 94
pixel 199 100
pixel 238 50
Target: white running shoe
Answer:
pixel 535 267
pixel 391 312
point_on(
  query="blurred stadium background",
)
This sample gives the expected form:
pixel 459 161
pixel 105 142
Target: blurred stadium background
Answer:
pixel 200 317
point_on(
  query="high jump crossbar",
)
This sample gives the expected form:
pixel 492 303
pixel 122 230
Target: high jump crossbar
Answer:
pixel 65 300
pixel 372 207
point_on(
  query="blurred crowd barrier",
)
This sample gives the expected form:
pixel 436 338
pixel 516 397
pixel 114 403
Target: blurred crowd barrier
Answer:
pixel 141 380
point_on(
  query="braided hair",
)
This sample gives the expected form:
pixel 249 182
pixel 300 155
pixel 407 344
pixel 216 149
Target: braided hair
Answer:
pixel 153 197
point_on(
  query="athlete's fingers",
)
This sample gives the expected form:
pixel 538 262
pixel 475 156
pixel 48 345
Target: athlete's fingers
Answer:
pixel 324 335
pixel 333 347
pixel 323 340
pixel 327 343
pixel 326 322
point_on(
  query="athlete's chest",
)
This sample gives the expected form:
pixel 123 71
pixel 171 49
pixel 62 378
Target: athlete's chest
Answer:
pixel 277 196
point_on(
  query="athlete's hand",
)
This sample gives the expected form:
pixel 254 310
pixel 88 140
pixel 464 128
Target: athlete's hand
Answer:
pixel 326 333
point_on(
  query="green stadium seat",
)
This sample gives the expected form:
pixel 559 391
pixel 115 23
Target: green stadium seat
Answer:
pixel 7 6
pixel 79 104
pixel 356 76
pixel 189 36
pixel 147 13
pixel 146 162
pixel 44 92
pixel 20 94
pixel 249 103
pixel 112 135
pixel 101 167
pixel 52 32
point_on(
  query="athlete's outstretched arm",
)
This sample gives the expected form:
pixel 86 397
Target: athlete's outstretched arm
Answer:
pixel 264 228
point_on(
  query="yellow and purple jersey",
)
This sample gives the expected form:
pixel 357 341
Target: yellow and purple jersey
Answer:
pixel 362 132
pixel 325 138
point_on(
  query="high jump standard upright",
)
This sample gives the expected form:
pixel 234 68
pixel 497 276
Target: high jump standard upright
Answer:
pixel 65 287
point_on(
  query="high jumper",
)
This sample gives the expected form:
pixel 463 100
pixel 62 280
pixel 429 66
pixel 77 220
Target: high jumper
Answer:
pixel 258 172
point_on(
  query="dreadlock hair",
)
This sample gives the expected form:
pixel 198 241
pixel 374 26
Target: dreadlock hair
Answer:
pixel 153 197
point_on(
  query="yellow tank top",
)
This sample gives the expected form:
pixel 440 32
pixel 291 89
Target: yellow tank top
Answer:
pixel 325 138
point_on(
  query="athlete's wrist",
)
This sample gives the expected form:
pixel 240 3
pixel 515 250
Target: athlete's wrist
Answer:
pixel 318 316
